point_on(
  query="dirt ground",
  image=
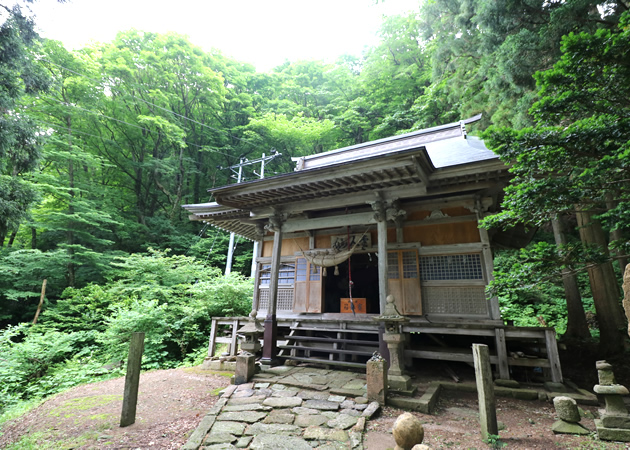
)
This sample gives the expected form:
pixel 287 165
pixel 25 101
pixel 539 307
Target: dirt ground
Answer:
pixel 172 402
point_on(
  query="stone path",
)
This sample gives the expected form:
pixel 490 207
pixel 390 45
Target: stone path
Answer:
pixel 288 408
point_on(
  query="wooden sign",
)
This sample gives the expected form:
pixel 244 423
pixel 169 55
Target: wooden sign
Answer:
pixel 340 242
pixel 359 306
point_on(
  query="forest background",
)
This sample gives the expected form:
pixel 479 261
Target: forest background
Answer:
pixel 100 147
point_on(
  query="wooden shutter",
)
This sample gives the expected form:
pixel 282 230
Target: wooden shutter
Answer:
pixel 403 274
pixel 308 295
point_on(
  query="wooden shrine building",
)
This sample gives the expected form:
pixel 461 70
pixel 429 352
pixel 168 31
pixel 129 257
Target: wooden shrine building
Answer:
pixel 407 209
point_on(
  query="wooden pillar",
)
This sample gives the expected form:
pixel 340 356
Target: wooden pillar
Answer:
pixel 381 228
pixel 486 254
pixel 380 216
pixel 270 348
pixel 258 245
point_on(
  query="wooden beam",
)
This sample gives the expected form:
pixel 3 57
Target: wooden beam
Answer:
pixel 342 201
pixel 328 222
pixel 424 176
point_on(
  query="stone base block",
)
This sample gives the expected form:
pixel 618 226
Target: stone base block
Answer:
pixel 555 387
pixel 612 434
pixel 507 383
pixel 215 364
pixel 615 421
pixel 562 427
pixel 400 383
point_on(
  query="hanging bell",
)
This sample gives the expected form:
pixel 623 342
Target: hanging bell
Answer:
pixel 324 272
pixel 336 271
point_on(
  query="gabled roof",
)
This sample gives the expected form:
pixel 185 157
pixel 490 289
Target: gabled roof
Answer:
pixel 446 145
pixel 430 162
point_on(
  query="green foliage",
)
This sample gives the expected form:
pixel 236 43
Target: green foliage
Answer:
pixel 529 287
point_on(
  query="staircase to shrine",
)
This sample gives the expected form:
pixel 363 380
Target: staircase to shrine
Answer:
pixel 330 344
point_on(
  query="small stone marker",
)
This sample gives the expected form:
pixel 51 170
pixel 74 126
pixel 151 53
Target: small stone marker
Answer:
pixel 407 431
pixel 614 424
pixel 377 379
pixel 245 368
pixel 132 380
pixel 568 417
pixel 485 391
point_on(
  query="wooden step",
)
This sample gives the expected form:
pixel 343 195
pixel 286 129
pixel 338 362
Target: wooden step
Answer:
pixel 327 362
pixel 332 340
pixel 335 330
pixel 326 350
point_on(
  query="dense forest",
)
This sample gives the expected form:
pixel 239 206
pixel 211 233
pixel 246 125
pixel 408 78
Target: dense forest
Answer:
pixel 100 147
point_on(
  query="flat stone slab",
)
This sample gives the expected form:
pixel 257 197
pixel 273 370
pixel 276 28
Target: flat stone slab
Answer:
pixel 336 398
pixel 219 447
pixel 275 442
pixel 273 428
pixel 351 412
pixel 243 441
pixel 348 392
pixel 280 370
pixel 325 434
pixel 279 417
pixel 196 438
pixel 283 402
pixel 310 420
pixel 371 410
pixel 247 407
pixel 312 395
pixel 562 427
pixel 355 385
pixel 242 416
pixel 302 410
pixel 243 393
pixel 285 393
pixel 247 400
pixel 220 438
pixel 321 404
pixel 342 422
pixel 236 428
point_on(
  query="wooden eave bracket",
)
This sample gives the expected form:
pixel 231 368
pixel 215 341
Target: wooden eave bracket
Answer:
pixel 424 176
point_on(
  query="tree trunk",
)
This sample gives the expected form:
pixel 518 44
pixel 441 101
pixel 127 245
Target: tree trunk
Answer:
pixel 12 237
pixel 33 238
pixel 604 287
pixel 577 327
pixel 70 232
pixel 616 235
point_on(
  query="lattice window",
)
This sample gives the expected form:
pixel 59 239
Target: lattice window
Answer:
pixel 451 267
pixel 469 300
pixel 285 276
pixel 393 272
pixel 410 266
pixel 285 299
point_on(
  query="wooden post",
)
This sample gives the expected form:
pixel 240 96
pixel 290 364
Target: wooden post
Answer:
pixel 504 370
pixel 132 380
pixel 553 356
pixel 213 338
pixel 270 345
pixel 485 391
pixel 234 342
pixel 41 301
